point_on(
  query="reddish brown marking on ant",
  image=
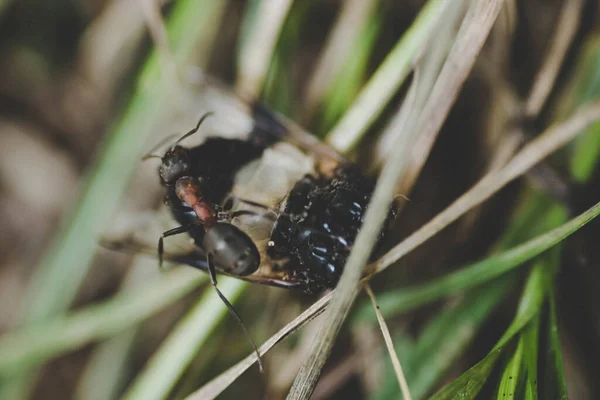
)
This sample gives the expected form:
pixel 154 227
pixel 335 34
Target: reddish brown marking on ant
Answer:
pixel 188 191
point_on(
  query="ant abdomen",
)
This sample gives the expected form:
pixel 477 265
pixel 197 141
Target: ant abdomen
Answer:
pixel 231 250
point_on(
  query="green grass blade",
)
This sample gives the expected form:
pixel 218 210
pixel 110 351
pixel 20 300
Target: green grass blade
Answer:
pixel 468 385
pixel 386 81
pixel 351 75
pixel 450 334
pixel 530 338
pixel 447 337
pixel 104 375
pixel 67 260
pixel 554 383
pixel 65 265
pixel 512 376
pixel 582 88
pixel 176 353
pixel 477 273
pixel 34 344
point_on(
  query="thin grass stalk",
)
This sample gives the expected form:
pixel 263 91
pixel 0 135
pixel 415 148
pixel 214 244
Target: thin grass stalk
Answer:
pixel 429 62
pixel 104 374
pixel 67 260
pixel 544 80
pixel 471 36
pixel 390 346
pixel 168 364
pixel 351 20
pixel 386 81
pixel 259 45
pixel 465 278
pixel 552 139
pixel 33 345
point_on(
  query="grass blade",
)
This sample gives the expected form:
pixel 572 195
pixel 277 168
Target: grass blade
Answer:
pixel 262 28
pixel 480 272
pixel 468 385
pixel 168 364
pixel 390 346
pixel 386 80
pixel 512 376
pixel 470 39
pixel 34 344
pixel 554 382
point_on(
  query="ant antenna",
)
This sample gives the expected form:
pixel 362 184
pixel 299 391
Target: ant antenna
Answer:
pixel 152 154
pixel 213 280
pixel 190 133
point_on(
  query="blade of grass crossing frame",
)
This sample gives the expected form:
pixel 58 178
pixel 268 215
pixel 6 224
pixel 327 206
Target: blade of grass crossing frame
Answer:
pixel 554 384
pixel 177 351
pixel 530 339
pixel 385 82
pixel 445 338
pixel 468 385
pixel 512 376
pixel 583 87
pixel 67 260
pixel 33 345
pixel 482 271
pixel 351 75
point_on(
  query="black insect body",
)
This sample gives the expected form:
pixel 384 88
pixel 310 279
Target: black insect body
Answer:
pixel 275 206
pixel 296 222
pixel 325 216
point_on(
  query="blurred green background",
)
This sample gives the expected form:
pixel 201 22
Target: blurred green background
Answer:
pixel 87 86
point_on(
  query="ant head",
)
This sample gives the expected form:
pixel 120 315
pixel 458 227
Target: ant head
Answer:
pixel 176 161
pixel 175 164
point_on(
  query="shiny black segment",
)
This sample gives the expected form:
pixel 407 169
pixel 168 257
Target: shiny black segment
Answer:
pixel 323 219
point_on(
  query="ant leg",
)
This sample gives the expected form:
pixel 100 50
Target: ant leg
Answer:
pixel 248 212
pixel 171 232
pixel 213 280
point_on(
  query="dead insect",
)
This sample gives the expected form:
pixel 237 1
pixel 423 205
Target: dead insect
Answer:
pixel 276 206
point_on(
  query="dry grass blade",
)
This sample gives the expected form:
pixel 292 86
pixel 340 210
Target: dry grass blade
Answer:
pixel 390 345
pixel 213 388
pixel 352 18
pixel 388 78
pixel 255 58
pixel 158 32
pixel 551 140
pixel 546 76
pixel 565 131
pixel 430 65
pixel 472 34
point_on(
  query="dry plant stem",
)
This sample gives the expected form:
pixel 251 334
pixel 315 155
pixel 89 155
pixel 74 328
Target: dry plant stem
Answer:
pixel 551 140
pixel 212 389
pixel 256 58
pixel 158 32
pixel 431 65
pixel 567 130
pixel 388 78
pixel 564 33
pixel 390 345
pixel 336 377
pixel 352 18
pixel 428 65
pixel 472 34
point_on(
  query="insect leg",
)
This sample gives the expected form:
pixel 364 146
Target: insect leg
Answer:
pixel 213 280
pixel 171 232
